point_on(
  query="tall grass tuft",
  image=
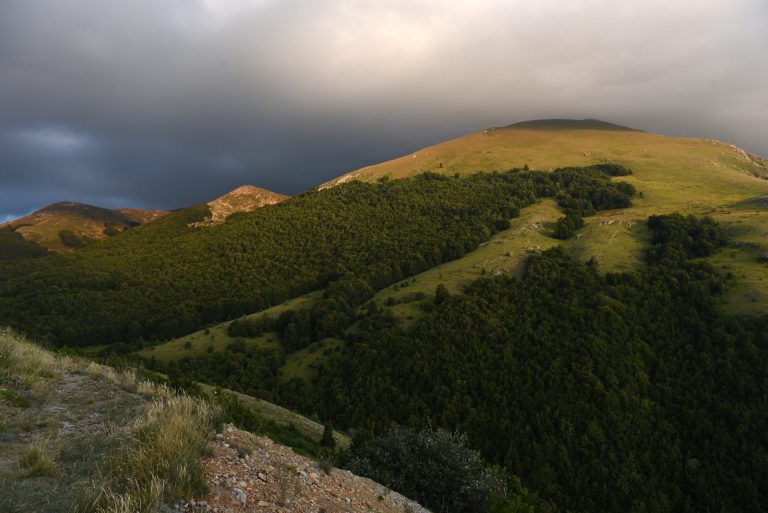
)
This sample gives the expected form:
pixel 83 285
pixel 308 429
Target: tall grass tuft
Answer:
pixel 39 459
pixel 162 463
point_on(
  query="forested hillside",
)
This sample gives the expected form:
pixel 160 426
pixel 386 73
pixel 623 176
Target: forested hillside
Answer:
pixel 166 279
pixel 603 392
pixel 615 393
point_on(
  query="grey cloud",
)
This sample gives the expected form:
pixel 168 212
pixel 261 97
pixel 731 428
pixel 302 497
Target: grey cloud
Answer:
pixel 167 103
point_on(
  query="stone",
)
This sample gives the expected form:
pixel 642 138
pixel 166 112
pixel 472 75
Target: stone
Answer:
pixel 240 495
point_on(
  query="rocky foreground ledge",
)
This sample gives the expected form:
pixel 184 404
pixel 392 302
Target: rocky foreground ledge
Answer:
pixel 248 473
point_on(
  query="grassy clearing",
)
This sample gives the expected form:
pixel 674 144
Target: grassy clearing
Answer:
pixel 217 337
pixel 90 438
pixel 303 363
pixel 504 253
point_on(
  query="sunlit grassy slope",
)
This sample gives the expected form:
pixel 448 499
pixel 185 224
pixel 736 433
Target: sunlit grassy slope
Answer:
pixel 84 221
pixel 217 337
pixel 673 174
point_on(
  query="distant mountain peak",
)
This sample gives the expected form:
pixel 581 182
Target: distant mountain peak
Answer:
pixel 245 198
pixel 247 190
pixel 86 222
pixel 569 124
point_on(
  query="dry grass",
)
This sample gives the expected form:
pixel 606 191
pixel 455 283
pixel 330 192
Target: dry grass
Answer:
pixel 161 464
pixel 148 458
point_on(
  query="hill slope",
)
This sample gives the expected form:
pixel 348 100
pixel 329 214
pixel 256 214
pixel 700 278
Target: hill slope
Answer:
pixel 138 446
pixel 83 222
pixel 673 174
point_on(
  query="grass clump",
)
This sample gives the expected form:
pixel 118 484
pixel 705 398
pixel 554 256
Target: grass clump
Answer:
pixel 12 397
pixel 161 463
pixel 39 459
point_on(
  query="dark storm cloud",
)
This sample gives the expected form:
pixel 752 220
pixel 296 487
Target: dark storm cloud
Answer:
pixel 163 103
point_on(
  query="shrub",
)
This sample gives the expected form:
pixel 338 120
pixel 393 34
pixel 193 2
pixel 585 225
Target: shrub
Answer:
pixel 441 294
pixel 432 466
pixel 327 440
pixel 70 239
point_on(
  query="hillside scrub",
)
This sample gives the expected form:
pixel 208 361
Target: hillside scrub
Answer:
pixel 567 225
pixel 437 469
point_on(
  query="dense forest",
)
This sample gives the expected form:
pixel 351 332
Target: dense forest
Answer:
pixel 623 392
pixel 166 279
pixel 617 392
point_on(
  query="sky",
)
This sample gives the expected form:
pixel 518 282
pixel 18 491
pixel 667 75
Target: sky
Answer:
pixel 167 103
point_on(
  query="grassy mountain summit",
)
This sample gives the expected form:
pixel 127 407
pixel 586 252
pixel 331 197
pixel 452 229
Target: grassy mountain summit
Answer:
pixel 79 222
pixel 569 124
pixel 547 144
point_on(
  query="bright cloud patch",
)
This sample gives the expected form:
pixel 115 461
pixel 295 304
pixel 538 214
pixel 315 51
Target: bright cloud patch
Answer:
pixel 52 139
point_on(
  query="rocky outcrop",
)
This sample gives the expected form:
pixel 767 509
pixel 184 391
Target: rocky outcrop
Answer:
pixel 246 198
pixel 248 473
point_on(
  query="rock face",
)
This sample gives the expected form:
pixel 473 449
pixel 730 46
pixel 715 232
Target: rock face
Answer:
pixel 246 198
pixel 247 473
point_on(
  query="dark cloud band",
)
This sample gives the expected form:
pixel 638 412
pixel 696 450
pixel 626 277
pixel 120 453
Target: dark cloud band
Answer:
pixel 163 104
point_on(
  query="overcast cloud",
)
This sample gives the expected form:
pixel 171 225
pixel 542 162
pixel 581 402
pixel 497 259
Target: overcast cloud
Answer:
pixel 165 103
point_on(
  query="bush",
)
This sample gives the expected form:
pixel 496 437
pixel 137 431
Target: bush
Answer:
pixel 441 294
pixel 567 225
pixel 612 169
pixel 432 466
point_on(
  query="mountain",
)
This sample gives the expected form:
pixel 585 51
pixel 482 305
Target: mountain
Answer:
pixel 245 198
pixel 581 303
pixel 67 225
